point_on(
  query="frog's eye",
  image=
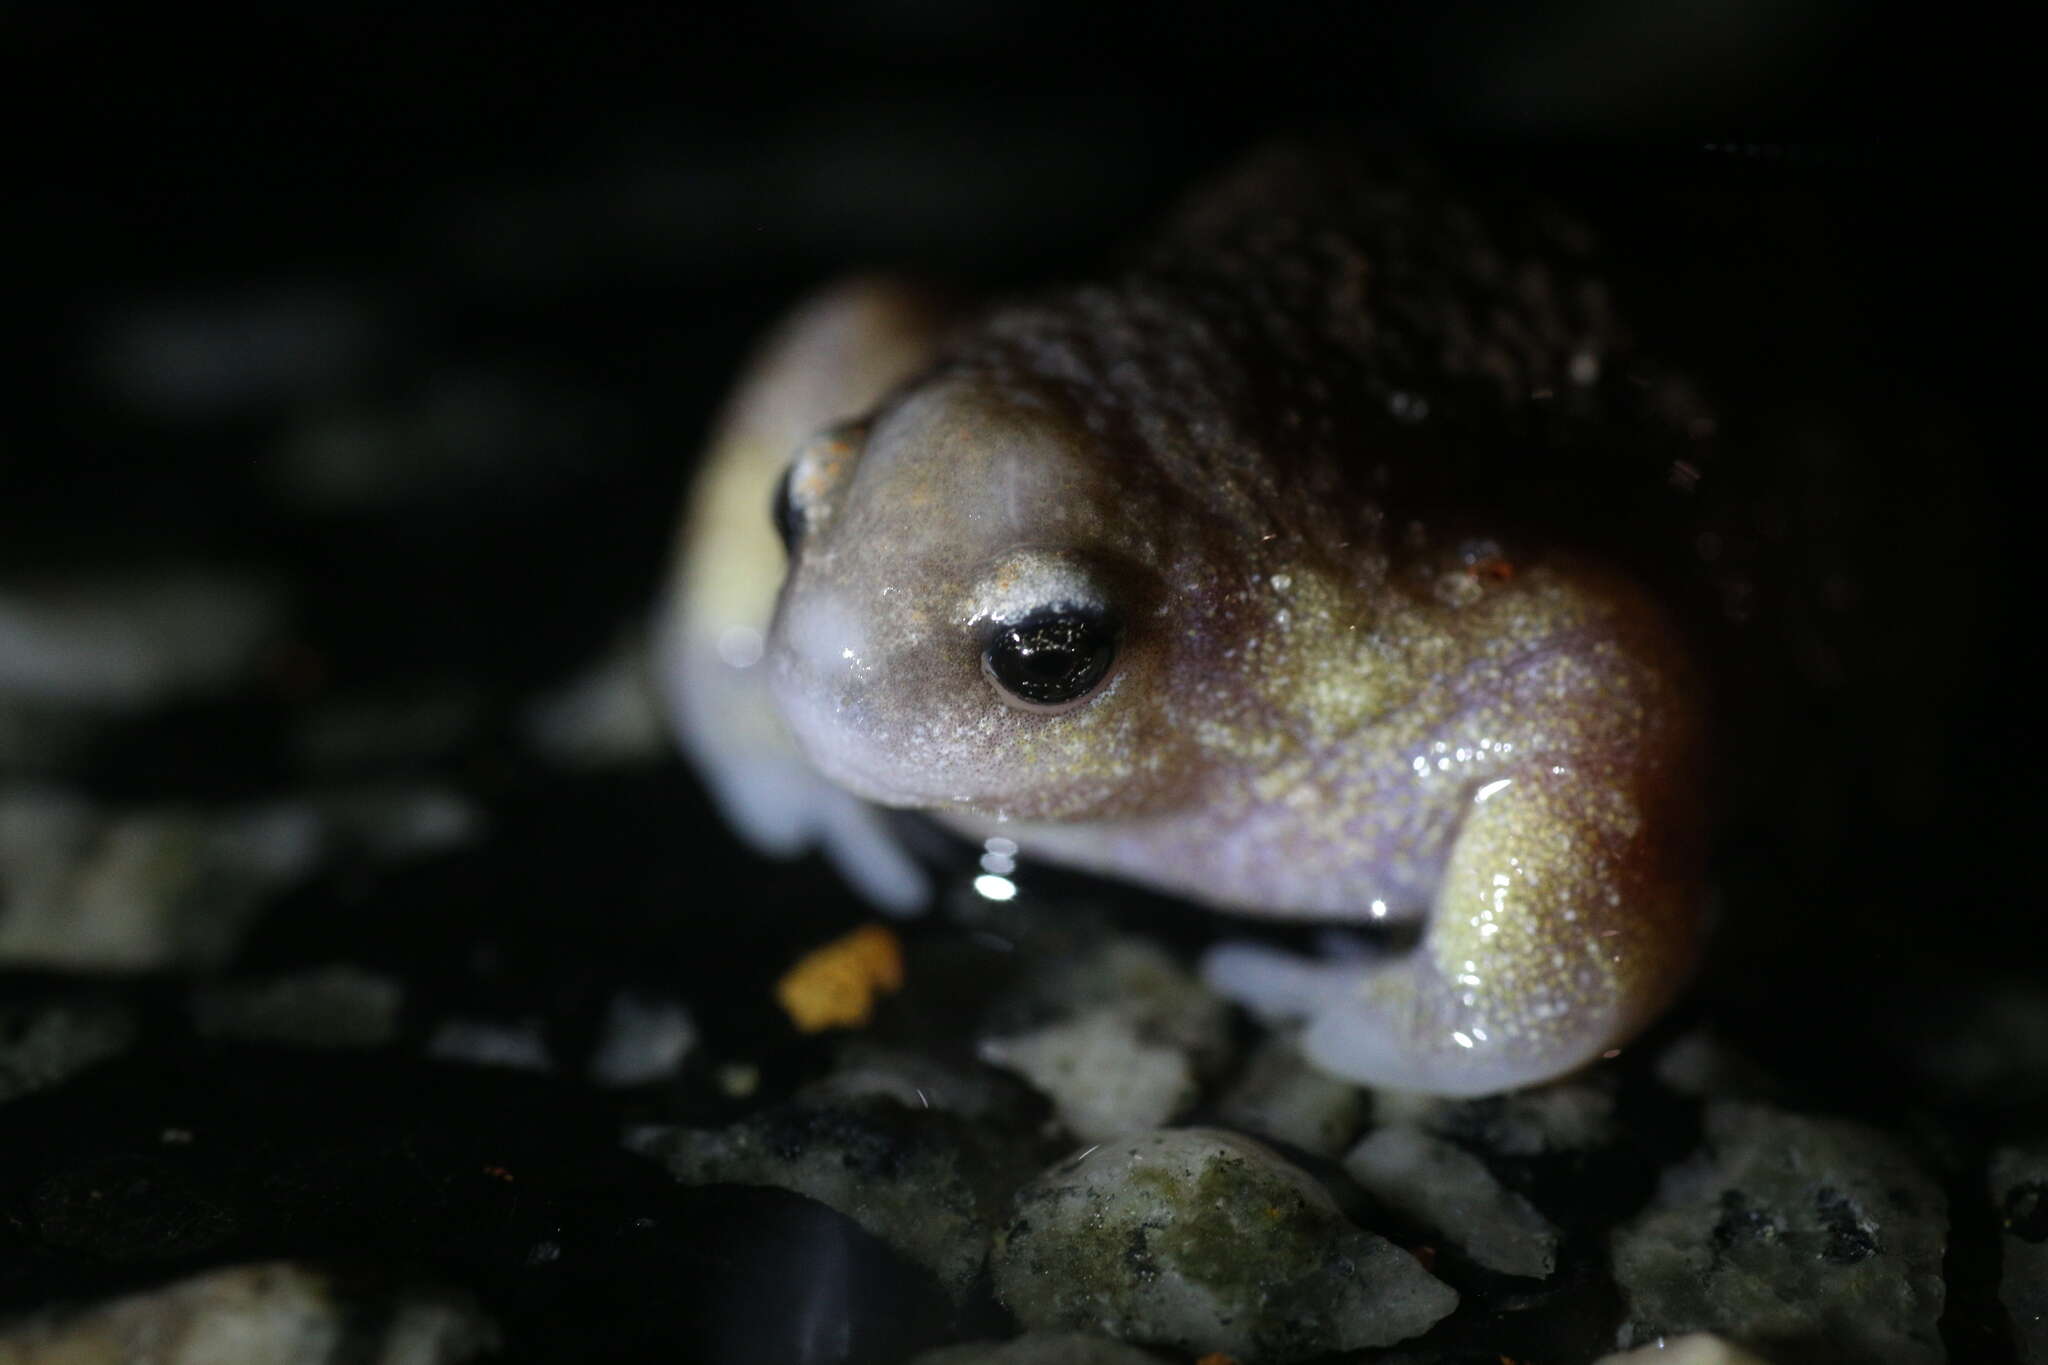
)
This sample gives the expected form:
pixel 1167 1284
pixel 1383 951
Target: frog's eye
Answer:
pixel 789 523
pixel 803 494
pixel 1052 659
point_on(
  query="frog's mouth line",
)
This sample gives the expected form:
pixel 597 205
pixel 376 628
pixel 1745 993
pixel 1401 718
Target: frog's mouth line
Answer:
pixel 1186 924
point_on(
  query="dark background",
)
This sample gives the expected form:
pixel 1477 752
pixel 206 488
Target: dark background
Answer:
pixel 516 255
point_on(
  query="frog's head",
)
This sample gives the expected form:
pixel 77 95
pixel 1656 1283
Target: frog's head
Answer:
pixel 973 617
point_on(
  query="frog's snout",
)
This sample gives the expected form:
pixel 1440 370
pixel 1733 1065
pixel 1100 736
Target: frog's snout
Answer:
pixel 830 686
pixel 821 645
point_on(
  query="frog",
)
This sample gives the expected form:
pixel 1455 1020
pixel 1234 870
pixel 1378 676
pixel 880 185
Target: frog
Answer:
pixel 1255 570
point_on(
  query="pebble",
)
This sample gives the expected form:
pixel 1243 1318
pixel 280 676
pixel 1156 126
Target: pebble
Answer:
pixel 1701 1064
pixel 918 1179
pixel 2019 1195
pixel 1697 1348
pixel 45 1044
pixel 1278 1096
pixel 1102 1077
pixel 416 729
pixel 1119 1037
pixel 1450 1191
pixel 259 1314
pixel 1566 1116
pixel 1807 1238
pixel 87 888
pixel 607 716
pixel 328 1007
pixel 646 1038
pixel 1136 980
pixel 120 643
pixel 1041 1348
pixel 519 1044
pixel 916 1080
pixel 1205 1241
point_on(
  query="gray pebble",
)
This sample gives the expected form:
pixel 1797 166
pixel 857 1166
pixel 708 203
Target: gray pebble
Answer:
pixel 610 715
pixel 42 1045
pixel 1041 1348
pixel 1701 1064
pixel 1102 1077
pixel 918 1179
pixel 83 888
pixel 123 643
pixel 357 732
pixel 334 1007
pixel 1119 1037
pixel 2019 1195
pixel 1452 1192
pixel 253 1315
pixel 915 1080
pixel 1205 1241
pixel 1134 979
pixel 1565 1116
pixel 1279 1096
pixel 646 1038
pixel 1814 1239
pixel 521 1045
pixel 1697 1348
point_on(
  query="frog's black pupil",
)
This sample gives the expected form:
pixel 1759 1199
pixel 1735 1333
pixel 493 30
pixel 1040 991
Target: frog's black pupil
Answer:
pixel 788 523
pixel 1052 657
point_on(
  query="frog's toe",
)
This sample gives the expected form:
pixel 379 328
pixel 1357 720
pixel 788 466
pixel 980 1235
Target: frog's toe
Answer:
pixel 1279 987
pixel 857 839
pixel 781 808
pixel 1392 1021
pixel 771 803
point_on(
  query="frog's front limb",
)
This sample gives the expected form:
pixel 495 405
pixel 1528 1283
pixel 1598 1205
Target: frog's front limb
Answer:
pixel 1566 919
pixel 834 358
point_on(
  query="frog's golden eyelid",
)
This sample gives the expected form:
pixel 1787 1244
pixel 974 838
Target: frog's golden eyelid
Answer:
pixel 1022 583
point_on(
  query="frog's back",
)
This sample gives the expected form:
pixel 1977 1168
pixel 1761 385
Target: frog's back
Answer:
pixel 1348 338
pixel 1343 320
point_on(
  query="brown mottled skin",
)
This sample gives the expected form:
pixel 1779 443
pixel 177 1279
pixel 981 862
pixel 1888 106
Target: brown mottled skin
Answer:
pixel 1325 447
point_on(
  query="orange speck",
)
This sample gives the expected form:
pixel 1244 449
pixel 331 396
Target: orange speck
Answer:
pixel 1493 570
pixel 835 986
pixel 1217 1358
pixel 1425 1255
pixel 496 1172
